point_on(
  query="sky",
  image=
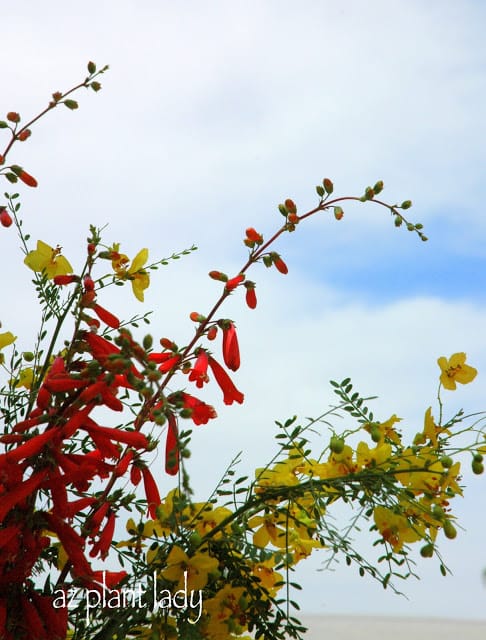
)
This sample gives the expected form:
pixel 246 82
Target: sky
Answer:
pixel 212 113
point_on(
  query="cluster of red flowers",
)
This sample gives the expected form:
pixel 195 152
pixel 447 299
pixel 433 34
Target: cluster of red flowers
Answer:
pixel 41 465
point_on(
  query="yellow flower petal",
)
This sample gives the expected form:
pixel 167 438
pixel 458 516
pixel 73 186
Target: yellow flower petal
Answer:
pixel 6 339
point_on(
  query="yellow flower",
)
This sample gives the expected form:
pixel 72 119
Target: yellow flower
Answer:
pixel 268 577
pixel 268 531
pixel 6 339
pixel 49 260
pixel 455 370
pixel 139 278
pixel 422 472
pixel 225 614
pixel 25 379
pixel 367 457
pixel 431 430
pixel 384 430
pixel 197 568
pixel 397 529
pixel 207 518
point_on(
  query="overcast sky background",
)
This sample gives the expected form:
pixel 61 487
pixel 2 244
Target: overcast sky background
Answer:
pixel 211 114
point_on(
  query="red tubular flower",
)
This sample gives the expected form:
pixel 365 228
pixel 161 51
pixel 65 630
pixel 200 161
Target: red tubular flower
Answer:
pixel 72 542
pixel 32 447
pixel 231 350
pixel 199 373
pixel 122 466
pixel 102 390
pixel 106 536
pixel 151 492
pixel 62 280
pixel 106 317
pixel 109 578
pixel 55 619
pixel 43 399
pixel 135 475
pixel 234 282
pixel 230 392
pixel 57 384
pixel 133 439
pixel 201 412
pixel 169 364
pixel 76 506
pixel 57 487
pixel 97 517
pixel 251 299
pixel 172 446
pixel 32 621
pixel 100 347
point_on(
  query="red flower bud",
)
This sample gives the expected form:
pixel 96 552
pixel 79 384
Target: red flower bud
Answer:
pixel 27 179
pixel 151 492
pixel 251 299
pixel 5 219
pixel 168 344
pixel 61 280
pixel 218 275
pixel 196 317
pixel 12 116
pixel 234 282
pixel 293 218
pixel 89 284
pixel 254 236
pixel 279 263
pixel 212 332
pixel 23 135
pixel 106 317
pixel 290 205
pixel 172 447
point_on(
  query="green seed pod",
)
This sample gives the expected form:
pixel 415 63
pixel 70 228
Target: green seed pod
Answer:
pixel 28 356
pixel 336 444
pixel 478 457
pixel 147 342
pixel 375 434
pixel 427 551
pixel 446 462
pixel 477 467
pixel 398 221
pixel 449 530
pixel 406 204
